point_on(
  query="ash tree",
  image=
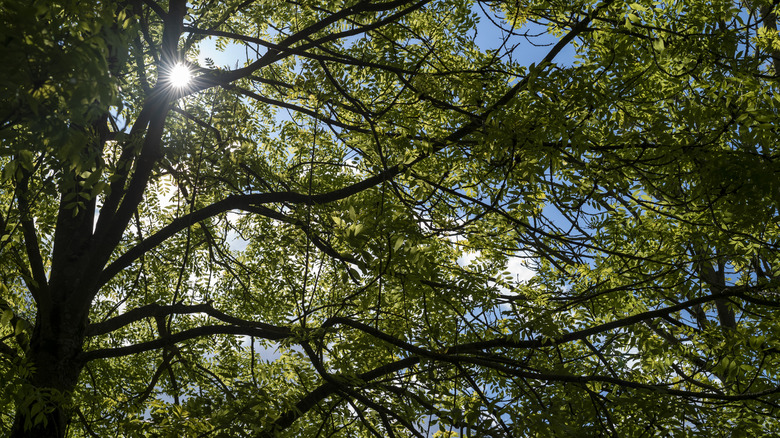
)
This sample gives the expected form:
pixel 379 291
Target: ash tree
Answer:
pixel 322 237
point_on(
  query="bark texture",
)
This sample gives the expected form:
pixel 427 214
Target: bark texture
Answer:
pixel 55 345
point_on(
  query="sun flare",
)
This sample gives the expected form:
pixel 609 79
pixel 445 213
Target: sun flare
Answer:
pixel 180 76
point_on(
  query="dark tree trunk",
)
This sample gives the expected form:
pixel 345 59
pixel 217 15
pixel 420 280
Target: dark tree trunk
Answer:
pixel 54 348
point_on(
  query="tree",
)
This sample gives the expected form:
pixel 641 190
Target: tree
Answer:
pixel 316 242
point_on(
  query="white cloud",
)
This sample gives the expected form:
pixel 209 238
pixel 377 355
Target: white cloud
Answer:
pixel 518 268
pixel 468 257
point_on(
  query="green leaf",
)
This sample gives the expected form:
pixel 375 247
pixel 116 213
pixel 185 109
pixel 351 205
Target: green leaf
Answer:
pixel 6 318
pixel 398 242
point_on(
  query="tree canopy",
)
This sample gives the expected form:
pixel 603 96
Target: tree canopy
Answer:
pixel 323 238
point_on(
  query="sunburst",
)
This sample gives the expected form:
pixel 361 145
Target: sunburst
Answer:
pixel 179 76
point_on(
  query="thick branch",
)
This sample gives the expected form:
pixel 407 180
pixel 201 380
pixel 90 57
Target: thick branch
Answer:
pixel 106 238
pixel 239 202
pixel 38 272
pixel 572 378
pixel 311 399
pixel 273 55
pixel 156 310
pixel 174 24
pixel 301 50
pixel 32 248
pixel 508 342
pixel 165 341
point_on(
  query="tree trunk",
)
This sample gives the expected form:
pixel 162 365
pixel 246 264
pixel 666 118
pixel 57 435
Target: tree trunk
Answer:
pixel 56 342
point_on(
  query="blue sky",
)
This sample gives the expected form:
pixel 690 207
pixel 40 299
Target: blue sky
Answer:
pixel 488 37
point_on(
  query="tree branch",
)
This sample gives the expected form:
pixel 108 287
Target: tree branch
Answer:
pixel 32 248
pixel 238 202
pixel 165 341
pixel 293 107
pixel 272 55
pixel 156 310
pixel 313 237
pixel 298 51
pixel 508 342
pixel 573 378
pixel 311 399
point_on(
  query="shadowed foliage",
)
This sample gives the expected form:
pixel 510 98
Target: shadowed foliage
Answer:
pixel 389 219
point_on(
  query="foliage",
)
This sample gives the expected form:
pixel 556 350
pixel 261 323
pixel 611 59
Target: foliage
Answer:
pixel 317 241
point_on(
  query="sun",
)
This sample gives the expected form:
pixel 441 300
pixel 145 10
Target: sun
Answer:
pixel 179 76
